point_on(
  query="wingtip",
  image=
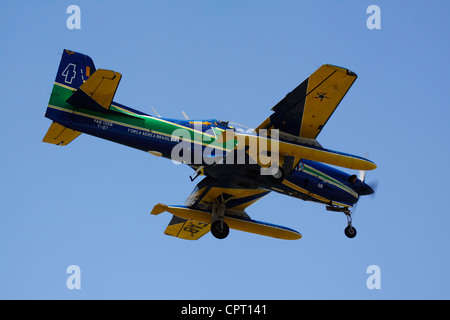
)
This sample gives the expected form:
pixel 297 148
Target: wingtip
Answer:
pixel 341 69
pixel 159 208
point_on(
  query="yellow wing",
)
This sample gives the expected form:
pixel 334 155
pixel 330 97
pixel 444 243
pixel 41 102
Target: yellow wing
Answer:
pixel 185 227
pixel 200 217
pixel 305 111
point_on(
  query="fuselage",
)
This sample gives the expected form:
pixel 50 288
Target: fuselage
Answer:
pixel 310 180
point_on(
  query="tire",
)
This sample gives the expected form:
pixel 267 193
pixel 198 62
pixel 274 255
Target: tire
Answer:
pixel 220 230
pixel 350 232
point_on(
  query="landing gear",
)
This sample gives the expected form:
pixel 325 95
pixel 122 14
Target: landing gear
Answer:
pixel 349 231
pixel 220 229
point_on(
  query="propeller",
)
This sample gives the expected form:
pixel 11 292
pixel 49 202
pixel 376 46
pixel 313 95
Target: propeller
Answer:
pixel 362 175
pixel 156 112
pixel 364 189
pixel 365 186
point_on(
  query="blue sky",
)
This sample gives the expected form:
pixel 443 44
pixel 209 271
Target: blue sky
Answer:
pixel 88 203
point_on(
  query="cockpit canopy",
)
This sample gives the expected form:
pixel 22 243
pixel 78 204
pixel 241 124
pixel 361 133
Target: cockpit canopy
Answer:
pixel 207 124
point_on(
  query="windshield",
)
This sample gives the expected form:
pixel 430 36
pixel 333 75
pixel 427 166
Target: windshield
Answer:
pixel 237 126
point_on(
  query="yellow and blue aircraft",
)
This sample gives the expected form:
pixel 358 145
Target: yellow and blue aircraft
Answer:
pixel 238 167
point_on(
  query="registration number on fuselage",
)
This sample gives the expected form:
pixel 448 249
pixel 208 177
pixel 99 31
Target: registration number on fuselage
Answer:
pixel 102 124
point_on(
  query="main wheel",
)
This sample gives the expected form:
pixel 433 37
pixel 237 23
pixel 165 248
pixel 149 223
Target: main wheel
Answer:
pixel 220 229
pixel 350 231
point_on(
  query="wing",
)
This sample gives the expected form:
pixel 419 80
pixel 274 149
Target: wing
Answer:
pixel 202 198
pixel 234 222
pixel 186 229
pixel 305 111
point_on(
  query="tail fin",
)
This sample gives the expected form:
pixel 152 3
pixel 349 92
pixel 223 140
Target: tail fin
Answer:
pixel 78 85
pixel 94 89
pixel 74 69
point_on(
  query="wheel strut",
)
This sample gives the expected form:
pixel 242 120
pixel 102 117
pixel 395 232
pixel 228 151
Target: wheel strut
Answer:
pixel 219 228
pixel 349 231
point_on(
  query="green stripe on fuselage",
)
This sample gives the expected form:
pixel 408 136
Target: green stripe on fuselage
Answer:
pixel 124 117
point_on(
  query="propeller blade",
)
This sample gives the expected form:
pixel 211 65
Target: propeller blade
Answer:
pixel 374 186
pixel 156 112
pixel 362 175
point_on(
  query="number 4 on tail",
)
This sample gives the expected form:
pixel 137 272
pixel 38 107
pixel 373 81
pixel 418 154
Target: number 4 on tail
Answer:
pixel 69 73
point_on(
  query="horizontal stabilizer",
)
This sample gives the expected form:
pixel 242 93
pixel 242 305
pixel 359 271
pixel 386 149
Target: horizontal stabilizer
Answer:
pixel 242 224
pixel 97 92
pixel 60 135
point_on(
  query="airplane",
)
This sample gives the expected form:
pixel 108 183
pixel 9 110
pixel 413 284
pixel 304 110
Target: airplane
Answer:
pixel 239 167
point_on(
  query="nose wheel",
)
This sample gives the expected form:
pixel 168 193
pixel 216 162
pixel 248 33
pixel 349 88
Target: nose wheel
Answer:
pixel 349 231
